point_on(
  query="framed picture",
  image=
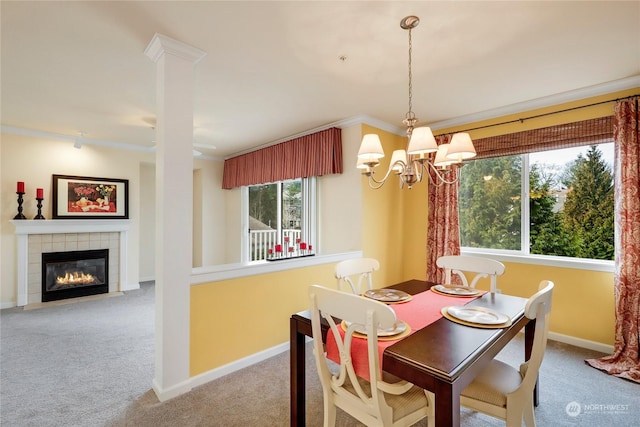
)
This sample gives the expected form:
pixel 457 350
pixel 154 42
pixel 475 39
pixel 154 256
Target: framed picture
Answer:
pixel 83 197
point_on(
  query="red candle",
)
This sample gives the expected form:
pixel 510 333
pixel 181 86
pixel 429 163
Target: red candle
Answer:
pixel 303 245
pixel 39 193
pixel 278 248
pixel 20 187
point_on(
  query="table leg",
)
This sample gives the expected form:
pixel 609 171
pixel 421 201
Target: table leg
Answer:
pixel 297 374
pixel 447 406
pixel 529 333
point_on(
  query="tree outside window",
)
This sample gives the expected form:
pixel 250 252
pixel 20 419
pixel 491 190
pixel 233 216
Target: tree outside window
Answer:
pixel 570 205
pixel 275 213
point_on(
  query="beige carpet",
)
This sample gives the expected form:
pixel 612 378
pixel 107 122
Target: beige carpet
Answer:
pixel 91 364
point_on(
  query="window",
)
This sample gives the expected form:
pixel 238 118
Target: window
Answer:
pixel 554 203
pixel 280 212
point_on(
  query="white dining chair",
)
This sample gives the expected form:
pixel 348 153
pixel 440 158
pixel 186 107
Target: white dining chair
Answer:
pixel 375 402
pixel 361 269
pixel 483 267
pixel 503 391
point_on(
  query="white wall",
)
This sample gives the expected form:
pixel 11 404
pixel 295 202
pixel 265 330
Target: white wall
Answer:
pixel 147 221
pixel 340 200
pixel 212 211
pixel 34 161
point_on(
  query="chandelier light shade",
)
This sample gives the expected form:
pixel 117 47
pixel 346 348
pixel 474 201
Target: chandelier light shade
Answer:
pixel 461 147
pixel 371 147
pixel 422 142
pixel 422 153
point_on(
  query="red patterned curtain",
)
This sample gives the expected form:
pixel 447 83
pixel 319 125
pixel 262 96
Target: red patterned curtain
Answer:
pixel 311 155
pixel 443 226
pixel 624 362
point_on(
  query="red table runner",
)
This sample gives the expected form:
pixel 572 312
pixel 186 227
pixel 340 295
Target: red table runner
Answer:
pixel 423 309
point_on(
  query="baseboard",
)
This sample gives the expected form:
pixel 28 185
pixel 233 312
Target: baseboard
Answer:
pixel 579 342
pixel 147 279
pixel 7 305
pixel 171 392
pixel 237 365
pixel 130 286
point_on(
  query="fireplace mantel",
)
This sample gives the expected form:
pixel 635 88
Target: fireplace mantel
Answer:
pixel 25 228
pixel 53 226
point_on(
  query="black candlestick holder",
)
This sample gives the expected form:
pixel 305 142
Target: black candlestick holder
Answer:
pixel 39 216
pixel 20 215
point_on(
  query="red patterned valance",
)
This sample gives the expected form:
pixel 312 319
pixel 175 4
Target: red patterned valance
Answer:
pixel 311 155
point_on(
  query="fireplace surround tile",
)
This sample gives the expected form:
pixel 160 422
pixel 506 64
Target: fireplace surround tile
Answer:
pixel 35 237
pixel 64 242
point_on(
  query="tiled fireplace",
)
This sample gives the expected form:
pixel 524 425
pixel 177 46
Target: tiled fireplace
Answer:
pixel 54 238
pixel 71 274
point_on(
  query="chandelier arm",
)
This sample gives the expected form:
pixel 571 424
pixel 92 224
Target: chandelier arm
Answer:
pixel 419 169
pixel 372 186
pixel 441 176
pixel 384 179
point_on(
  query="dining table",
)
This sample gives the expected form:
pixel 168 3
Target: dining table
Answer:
pixel 442 357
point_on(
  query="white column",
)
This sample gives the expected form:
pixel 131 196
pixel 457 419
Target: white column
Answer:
pixel 175 62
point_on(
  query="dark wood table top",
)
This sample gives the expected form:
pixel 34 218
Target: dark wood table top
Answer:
pixel 444 348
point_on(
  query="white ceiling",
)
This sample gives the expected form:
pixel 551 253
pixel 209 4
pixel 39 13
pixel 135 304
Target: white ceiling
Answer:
pixel 273 69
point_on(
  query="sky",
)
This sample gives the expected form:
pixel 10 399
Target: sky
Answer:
pixel 566 155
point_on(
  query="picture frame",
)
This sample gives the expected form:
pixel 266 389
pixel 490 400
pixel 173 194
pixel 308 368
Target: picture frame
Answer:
pixel 84 197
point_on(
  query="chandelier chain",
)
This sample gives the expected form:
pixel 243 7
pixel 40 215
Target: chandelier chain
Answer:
pixel 410 114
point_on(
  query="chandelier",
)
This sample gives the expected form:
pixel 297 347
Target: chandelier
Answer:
pixel 412 164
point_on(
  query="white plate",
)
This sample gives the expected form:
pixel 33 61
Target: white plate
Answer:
pixel 399 328
pixel 456 290
pixel 387 295
pixel 479 315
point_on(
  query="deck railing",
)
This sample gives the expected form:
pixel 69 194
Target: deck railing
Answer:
pixel 263 240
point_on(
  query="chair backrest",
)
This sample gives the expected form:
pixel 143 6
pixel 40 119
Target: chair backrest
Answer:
pixel 357 311
pixel 538 308
pixel 483 267
pixel 347 271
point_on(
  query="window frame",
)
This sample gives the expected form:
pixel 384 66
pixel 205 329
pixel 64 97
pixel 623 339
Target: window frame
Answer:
pixel 309 224
pixel 523 256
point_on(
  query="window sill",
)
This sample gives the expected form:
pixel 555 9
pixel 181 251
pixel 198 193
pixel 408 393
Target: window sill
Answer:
pixel 563 262
pixel 233 271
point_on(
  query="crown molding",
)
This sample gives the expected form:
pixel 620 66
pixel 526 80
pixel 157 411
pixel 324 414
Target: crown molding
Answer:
pixel 161 44
pixel 91 141
pixel 548 101
pixel 341 124
pixel 597 90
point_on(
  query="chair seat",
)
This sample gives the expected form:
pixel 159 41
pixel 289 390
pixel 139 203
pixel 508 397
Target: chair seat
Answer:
pixel 494 383
pixel 402 405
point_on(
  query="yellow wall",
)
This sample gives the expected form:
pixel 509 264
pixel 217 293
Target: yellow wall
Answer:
pixel 232 319
pixel 382 216
pixel 583 300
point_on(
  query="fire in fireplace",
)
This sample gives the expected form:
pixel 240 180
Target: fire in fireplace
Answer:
pixel 74 274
